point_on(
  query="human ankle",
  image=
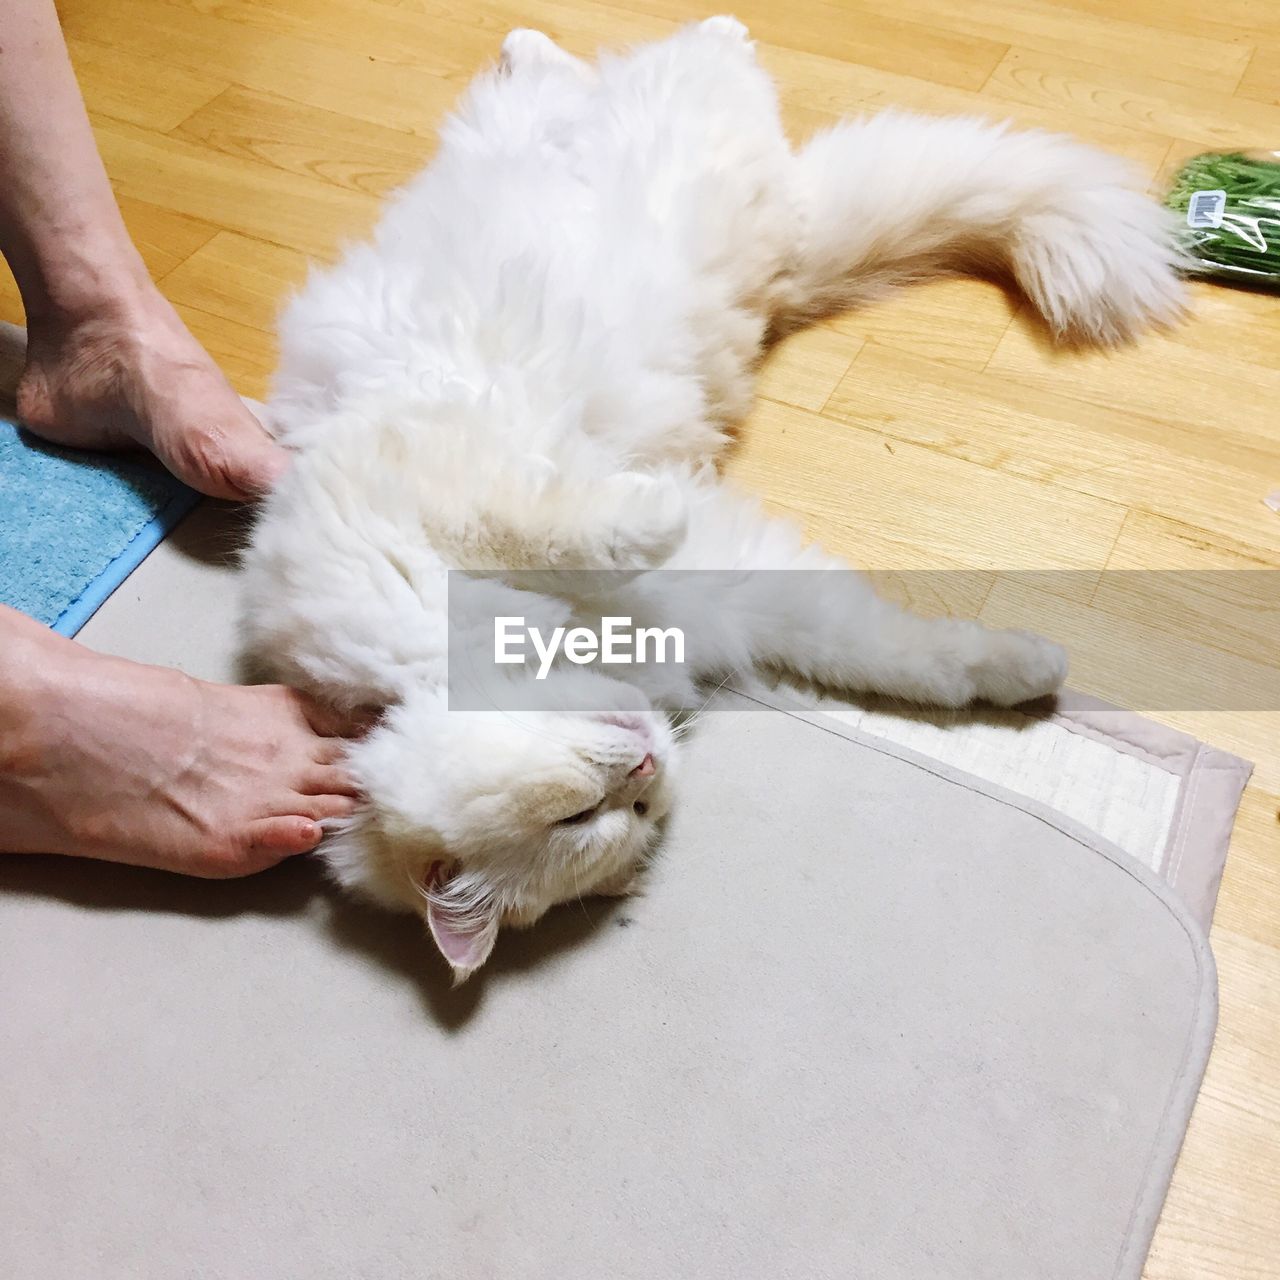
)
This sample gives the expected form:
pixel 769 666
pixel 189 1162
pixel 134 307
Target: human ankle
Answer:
pixel 101 278
pixel 36 665
pixel 21 692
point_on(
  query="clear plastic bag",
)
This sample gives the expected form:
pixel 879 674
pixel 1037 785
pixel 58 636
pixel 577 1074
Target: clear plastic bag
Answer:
pixel 1230 203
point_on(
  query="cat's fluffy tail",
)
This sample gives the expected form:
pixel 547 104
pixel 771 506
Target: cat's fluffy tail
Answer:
pixel 901 197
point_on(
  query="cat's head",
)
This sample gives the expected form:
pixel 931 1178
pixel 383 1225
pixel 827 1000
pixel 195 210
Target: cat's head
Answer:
pixel 479 819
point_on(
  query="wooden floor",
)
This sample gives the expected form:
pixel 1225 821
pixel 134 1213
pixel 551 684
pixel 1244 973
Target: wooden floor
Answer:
pixel 936 432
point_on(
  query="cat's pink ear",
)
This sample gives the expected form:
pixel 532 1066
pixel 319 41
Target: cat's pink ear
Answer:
pixel 465 931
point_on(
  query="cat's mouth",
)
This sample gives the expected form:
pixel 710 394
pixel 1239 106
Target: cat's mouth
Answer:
pixel 626 720
pixel 647 746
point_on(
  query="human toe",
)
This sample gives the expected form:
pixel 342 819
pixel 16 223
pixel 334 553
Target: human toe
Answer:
pixel 328 780
pixel 321 807
pixel 271 839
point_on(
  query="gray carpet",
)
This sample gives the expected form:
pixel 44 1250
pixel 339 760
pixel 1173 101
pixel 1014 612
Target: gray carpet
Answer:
pixel 872 1019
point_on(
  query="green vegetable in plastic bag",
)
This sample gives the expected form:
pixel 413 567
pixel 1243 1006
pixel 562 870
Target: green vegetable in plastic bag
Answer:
pixel 1231 205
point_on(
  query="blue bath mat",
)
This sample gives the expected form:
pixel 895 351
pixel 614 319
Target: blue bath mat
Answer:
pixel 74 525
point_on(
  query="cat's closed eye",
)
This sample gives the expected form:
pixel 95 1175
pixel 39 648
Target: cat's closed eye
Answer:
pixel 641 807
pixel 576 819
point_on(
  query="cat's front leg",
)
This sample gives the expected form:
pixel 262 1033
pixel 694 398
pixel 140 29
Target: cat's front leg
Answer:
pixel 948 662
pixel 829 626
pixel 630 520
pixel 525 48
pixel 645 522
pixel 753 593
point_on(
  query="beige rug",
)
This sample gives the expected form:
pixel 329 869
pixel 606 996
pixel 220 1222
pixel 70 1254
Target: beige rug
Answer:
pixel 886 1011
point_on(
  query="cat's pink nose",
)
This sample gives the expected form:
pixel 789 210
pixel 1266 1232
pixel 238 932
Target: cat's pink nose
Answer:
pixel 645 769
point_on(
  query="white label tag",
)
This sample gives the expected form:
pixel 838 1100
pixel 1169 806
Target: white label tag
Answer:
pixel 1206 209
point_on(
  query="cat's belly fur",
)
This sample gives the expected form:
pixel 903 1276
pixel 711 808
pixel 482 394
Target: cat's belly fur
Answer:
pixel 576 288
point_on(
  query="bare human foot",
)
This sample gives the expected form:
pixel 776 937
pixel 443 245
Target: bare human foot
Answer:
pixel 109 362
pixel 127 373
pixel 104 758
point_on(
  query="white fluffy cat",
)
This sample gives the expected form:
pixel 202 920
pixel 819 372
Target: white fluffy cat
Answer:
pixel 534 364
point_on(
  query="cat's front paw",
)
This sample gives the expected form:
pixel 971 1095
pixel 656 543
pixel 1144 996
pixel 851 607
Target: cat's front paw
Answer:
pixel 648 517
pixel 1016 667
pixel 726 26
pixel 525 47
pixel 528 47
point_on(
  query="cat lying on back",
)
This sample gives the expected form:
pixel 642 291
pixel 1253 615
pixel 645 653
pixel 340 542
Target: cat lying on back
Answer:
pixel 534 365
